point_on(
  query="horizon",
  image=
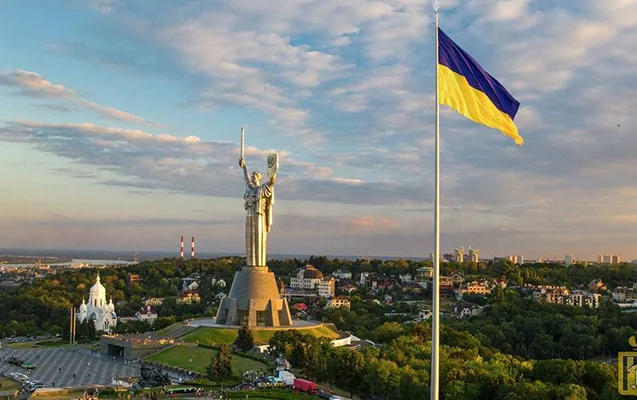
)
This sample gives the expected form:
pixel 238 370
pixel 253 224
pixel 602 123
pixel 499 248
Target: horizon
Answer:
pixel 175 254
pixel 120 126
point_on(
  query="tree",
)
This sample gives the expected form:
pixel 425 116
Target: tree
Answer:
pixel 91 330
pixel 224 361
pixel 245 339
pixel 220 366
pixel 388 332
pixel 350 364
pixel 212 370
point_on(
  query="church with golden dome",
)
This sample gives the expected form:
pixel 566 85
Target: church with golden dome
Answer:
pixel 97 309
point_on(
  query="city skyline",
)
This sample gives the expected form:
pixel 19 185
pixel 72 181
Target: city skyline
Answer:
pixel 119 124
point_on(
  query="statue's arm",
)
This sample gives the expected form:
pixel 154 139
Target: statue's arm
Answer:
pixel 272 179
pixel 246 175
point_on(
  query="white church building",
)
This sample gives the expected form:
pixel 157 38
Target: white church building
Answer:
pixel 97 309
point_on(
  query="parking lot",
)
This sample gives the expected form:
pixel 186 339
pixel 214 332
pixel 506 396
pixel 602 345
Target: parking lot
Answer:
pixel 67 368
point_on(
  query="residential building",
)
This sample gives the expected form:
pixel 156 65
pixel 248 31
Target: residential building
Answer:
pixel 458 254
pixel 609 259
pixel 596 285
pixel 188 297
pixel 326 287
pixel 501 282
pixel 342 274
pixel 424 274
pixel 475 287
pixel 446 288
pixel 218 282
pixel 569 259
pixel 363 278
pixel 576 298
pixel 132 278
pixel 300 307
pixel 457 279
pixel 411 287
pixel 424 314
pixel 146 314
pixel 336 302
pixel 592 301
pixel 347 288
pixel 405 277
pixel 513 259
pixel 623 294
pixel 154 301
pixel 189 284
pixel 306 278
pixel 474 255
pixel 465 310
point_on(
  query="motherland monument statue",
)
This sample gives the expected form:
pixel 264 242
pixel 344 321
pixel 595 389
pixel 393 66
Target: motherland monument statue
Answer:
pixel 254 297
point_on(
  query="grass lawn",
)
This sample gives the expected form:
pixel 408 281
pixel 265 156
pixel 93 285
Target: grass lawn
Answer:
pixel 180 356
pixel 43 343
pixel 168 329
pixel 213 336
pixel 8 384
pixel 51 343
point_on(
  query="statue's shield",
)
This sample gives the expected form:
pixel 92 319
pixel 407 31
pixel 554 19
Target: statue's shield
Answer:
pixel 273 164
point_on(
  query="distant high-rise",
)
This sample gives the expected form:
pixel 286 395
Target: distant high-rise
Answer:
pixel 520 259
pixel 513 259
pixel 473 255
pixel 569 259
pixel 458 254
pixel 609 259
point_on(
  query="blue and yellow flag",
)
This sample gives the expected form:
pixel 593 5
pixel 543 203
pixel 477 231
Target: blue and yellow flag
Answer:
pixel 466 87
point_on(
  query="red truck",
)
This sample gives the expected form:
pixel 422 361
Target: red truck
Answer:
pixel 304 385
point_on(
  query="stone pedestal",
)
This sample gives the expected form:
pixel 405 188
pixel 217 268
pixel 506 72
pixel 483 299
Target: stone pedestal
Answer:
pixel 254 300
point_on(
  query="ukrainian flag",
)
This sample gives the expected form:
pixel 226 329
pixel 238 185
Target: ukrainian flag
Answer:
pixel 466 87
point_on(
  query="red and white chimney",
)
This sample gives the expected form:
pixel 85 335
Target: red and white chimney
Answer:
pixel 192 248
pixel 181 253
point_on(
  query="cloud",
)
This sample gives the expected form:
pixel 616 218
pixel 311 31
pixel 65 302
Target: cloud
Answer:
pixel 103 6
pixel 166 162
pixel 35 85
pixel 61 220
pixel 372 222
pixel 357 78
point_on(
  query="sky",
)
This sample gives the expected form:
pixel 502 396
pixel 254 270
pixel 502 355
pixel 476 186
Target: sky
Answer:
pixel 120 125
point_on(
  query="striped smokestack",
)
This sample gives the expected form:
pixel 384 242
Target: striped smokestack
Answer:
pixel 181 253
pixel 192 248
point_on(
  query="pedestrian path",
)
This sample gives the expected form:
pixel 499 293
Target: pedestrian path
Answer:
pixel 65 368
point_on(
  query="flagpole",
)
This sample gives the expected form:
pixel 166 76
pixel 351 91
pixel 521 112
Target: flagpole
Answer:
pixel 435 326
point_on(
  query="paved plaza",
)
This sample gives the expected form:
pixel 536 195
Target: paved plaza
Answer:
pixel 65 368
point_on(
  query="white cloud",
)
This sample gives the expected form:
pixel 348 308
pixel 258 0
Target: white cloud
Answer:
pixel 165 162
pixel 34 84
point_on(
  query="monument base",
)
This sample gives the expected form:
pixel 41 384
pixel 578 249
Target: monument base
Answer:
pixel 254 300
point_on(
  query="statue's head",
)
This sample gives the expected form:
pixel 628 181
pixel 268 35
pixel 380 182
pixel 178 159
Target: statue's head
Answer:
pixel 256 177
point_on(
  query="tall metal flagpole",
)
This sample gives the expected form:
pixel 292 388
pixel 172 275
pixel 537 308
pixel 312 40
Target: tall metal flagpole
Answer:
pixel 435 326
